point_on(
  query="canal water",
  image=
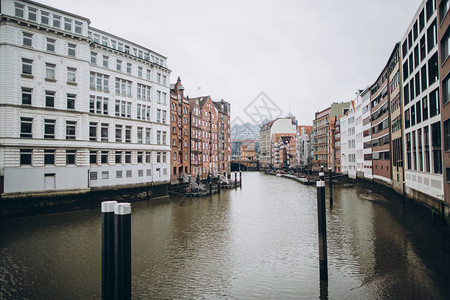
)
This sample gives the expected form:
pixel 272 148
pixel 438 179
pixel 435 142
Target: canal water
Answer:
pixel 258 242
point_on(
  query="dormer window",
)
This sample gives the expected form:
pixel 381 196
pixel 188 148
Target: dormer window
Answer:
pixel 45 17
pixel 78 27
pixel 56 21
pixel 19 10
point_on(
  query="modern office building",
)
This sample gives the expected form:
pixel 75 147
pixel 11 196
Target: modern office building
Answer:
pixel 422 109
pixel 82 109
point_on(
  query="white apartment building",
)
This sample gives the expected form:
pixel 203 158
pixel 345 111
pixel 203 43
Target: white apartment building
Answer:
pixel 422 119
pixel 303 147
pixel 366 126
pixel 348 142
pixel 81 108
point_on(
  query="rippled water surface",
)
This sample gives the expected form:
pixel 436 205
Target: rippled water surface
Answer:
pixel 258 242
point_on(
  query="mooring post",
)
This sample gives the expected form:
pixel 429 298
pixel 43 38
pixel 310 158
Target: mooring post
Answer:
pixel 210 184
pixel 330 177
pixel 235 179
pixel 323 261
pixel 240 179
pixel 218 187
pixel 122 251
pixel 321 174
pixel 107 210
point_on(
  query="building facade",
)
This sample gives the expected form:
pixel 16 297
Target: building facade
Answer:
pixel 303 146
pixel 83 108
pixel 422 117
pixel 282 125
pixel 179 132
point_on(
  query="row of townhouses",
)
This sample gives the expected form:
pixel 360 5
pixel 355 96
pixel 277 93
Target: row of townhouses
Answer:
pixel 397 130
pixel 284 144
pixel 82 108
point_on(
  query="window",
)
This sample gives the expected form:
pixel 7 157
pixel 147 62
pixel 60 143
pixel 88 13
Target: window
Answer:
pixel 119 174
pixel 71 49
pixel 99 81
pixel 413 115
pixel 71 130
pixel 148 74
pixel 128 157
pixel 71 101
pixel 433 69
pixel 436 144
pixel 427 148
pixel 140 72
pixel 421 20
pixel 45 17
pixel 129 68
pixel 139 157
pixel 164 137
pixel 92 131
pixel 143 91
pixel 164 79
pixel 49 99
pixel 127 134
pixel 49 157
pixel 406 94
pixel 443 9
pixel 434 103
pixel 50 71
pixel 70 157
pixel 158 115
pixel 98 105
pixel 26 96
pixel 148 158
pixel 407 119
pixel 139 135
pixel 104 132
pixel 27 39
pixel 423 75
pixel 26 127
pixel 431 36
pixel 425 108
pixel 32 14
pixel 27 65
pixel 93 58
pixel 123 109
pixel 118 133
pixel 18 10
pixel 25 156
pixel 158 157
pixel 123 87
pixel 49 129
pixel 408 151
pixel 147 135
pixel 447 135
pixel 119 65
pixel 164 98
pixel 118 157
pixel 78 27
pixel 105 61
pixel 158 137
pixel 56 21
pixel 93 157
pixel 51 45
pixel 419 112
pixel 104 157
pixel 93 176
pixel 71 75
pixel 158 77
pixel 67 24
pixel 129 173
pixel 431 7
pixel 158 94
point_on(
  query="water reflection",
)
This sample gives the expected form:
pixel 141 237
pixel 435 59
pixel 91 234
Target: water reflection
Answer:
pixel 258 242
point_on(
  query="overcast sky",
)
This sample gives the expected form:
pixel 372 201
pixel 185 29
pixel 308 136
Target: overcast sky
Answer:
pixel 303 54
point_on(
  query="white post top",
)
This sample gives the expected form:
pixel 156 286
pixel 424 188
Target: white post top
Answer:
pixel 321 174
pixel 122 209
pixel 108 206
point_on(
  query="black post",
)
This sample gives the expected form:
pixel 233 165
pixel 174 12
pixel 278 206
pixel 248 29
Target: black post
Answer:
pixel 322 230
pixel 240 178
pixel 108 249
pixel 122 251
pixel 235 179
pixel 330 177
pixel 218 187
pixel 210 184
